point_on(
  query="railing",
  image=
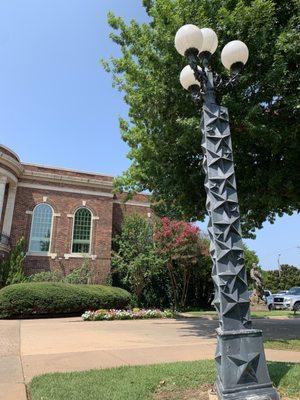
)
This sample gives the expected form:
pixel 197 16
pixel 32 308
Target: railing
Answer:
pixel 4 239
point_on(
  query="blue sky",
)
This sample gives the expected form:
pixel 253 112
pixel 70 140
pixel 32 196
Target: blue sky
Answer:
pixel 57 104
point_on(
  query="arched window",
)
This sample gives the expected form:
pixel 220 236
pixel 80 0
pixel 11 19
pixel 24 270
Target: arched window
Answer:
pixel 41 226
pixel 82 231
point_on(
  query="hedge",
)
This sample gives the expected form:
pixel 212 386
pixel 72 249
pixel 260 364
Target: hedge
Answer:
pixel 38 299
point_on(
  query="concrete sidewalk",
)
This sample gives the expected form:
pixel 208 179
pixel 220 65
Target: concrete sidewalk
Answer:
pixel 34 347
pixel 11 372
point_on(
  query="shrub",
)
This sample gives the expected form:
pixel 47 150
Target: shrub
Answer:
pixel 11 269
pixel 45 276
pixel 134 260
pixel 80 275
pixel 36 299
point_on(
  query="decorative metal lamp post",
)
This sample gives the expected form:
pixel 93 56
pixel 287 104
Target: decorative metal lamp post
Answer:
pixel 241 364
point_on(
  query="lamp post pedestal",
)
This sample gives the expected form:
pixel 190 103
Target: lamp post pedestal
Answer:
pixel 242 368
pixel 241 364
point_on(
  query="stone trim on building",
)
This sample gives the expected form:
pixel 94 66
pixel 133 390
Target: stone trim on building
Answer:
pixel 64 189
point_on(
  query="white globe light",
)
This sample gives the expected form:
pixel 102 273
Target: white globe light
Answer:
pixel 210 40
pixel 234 52
pixel 187 77
pixel 188 37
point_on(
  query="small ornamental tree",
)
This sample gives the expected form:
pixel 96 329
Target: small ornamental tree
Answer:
pixel 134 260
pixel 11 269
pixel 177 244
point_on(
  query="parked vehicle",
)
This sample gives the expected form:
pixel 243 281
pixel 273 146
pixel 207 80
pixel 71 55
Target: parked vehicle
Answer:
pixel 270 299
pixel 288 301
pixel 267 294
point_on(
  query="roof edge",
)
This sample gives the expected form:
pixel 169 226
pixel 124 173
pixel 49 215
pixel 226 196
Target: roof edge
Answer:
pixel 66 169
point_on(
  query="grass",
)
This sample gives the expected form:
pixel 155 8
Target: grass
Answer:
pixel 273 313
pixel 283 344
pixel 142 382
pixel 254 314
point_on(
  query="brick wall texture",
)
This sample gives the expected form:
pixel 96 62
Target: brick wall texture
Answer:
pixel 107 210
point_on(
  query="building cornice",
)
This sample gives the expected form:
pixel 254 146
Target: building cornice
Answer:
pixel 76 171
pixel 10 162
pixel 81 191
pixel 10 151
pixel 64 189
pixel 66 179
pixel 7 174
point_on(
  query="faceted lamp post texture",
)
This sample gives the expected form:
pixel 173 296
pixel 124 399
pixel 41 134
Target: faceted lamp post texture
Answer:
pixel 240 358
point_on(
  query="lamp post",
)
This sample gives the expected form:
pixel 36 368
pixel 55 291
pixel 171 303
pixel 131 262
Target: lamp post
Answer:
pixel 241 365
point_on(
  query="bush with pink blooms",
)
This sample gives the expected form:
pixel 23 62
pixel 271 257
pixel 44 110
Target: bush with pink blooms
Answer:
pixel 135 313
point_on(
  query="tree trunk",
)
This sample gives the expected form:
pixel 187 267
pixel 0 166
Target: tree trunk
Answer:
pixel 186 281
pixel 174 285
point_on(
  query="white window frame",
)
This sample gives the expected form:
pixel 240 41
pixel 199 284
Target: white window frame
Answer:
pixel 91 234
pixel 41 253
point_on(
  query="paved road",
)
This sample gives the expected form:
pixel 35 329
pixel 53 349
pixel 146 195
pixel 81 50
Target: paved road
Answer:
pixel 272 328
pixel 33 347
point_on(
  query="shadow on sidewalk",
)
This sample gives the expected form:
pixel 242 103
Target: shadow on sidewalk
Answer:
pixel 201 327
pixel 272 329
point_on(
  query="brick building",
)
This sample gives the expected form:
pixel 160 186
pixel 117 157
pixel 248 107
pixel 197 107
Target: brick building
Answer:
pixel 64 215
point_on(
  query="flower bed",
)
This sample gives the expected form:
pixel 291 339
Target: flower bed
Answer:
pixel 136 313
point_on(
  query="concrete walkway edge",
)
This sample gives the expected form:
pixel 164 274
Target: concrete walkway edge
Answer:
pixel 33 347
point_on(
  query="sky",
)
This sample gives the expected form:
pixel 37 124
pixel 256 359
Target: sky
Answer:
pixel 58 106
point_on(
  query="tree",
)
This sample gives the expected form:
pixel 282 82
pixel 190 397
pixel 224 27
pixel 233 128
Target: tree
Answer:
pixel 11 268
pixel 201 287
pixel 178 245
pixel 288 277
pixel 163 128
pixel 134 260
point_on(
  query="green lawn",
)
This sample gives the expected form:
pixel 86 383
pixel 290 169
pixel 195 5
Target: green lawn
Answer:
pixel 254 314
pixel 274 313
pixel 142 382
pixel 283 344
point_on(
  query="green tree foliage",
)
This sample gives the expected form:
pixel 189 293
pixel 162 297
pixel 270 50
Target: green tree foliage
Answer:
pixel 163 128
pixel 287 277
pixel 134 261
pixel 11 268
pixel 162 266
pixel 201 286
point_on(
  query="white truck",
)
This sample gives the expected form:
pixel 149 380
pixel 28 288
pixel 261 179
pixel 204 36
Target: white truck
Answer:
pixel 287 301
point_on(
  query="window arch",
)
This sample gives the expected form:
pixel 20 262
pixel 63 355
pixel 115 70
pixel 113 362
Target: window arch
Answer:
pixel 41 227
pixel 82 231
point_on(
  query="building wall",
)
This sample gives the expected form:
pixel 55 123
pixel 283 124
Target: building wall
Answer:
pixel 107 215
pixel 66 191
pixel 64 205
pixel 3 209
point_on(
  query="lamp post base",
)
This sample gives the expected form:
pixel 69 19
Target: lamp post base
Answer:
pixel 242 368
pixel 250 394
